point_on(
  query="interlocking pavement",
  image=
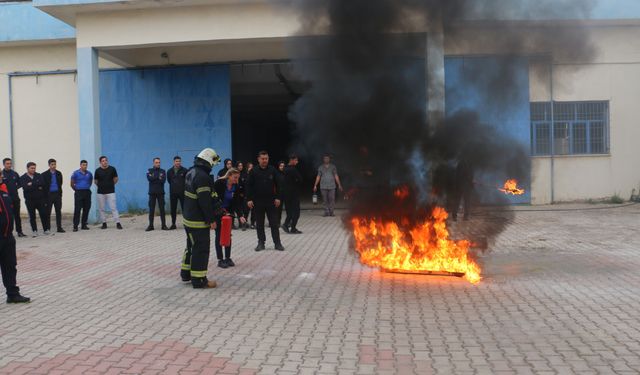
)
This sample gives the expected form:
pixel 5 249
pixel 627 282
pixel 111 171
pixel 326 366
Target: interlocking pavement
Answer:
pixel 560 295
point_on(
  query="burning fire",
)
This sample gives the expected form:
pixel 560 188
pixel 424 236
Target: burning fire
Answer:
pixel 402 192
pixel 511 187
pixel 423 247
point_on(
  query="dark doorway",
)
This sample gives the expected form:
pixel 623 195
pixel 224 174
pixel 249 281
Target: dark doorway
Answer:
pixel 261 94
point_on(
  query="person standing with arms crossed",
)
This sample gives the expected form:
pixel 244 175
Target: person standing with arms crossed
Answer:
pixel 263 196
pixel 53 190
pixel 34 197
pixel 106 178
pixel 156 177
pixel 327 178
pixel 81 181
pixel 175 177
pixel 12 183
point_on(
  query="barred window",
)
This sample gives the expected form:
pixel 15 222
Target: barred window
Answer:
pixel 578 128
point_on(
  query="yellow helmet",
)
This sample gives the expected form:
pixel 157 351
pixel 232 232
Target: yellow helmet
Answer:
pixel 210 156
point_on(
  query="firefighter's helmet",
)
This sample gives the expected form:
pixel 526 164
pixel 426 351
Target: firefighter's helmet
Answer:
pixel 210 156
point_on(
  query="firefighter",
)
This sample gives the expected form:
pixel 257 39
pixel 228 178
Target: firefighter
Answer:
pixel 8 247
pixel 201 206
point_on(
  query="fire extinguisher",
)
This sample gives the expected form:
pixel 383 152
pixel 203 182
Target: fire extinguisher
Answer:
pixel 225 231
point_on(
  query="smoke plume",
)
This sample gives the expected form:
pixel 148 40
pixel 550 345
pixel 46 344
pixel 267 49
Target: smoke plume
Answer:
pixel 367 99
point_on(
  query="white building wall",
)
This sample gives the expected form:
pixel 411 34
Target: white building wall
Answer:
pixel 613 75
pixel 45 110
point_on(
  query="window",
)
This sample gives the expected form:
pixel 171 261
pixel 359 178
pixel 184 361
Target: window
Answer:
pixel 578 128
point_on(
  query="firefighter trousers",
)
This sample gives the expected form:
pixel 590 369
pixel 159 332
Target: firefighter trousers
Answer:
pixel 195 259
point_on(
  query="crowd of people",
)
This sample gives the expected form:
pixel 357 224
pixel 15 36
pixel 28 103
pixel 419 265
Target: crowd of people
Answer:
pixel 245 192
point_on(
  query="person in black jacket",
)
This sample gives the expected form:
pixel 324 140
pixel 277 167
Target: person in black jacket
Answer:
pixel 201 205
pixel 228 164
pixel 291 194
pixel 156 177
pixel 12 181
pixel 242 194
pixel 53 192
pixel 34 197
pixel 175 177
pixel 226 188
pixel 263 195
pixel 8 259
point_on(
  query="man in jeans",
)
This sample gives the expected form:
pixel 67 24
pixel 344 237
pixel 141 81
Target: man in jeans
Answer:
pixel 106 178
pixel 81 184
pixel 328 179
pixel 53 190
pixel 11 179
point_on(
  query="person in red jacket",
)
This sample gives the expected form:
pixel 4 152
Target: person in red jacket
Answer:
pixel 8 259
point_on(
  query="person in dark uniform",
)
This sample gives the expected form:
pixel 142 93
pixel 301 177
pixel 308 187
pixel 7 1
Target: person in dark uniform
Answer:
pixel 8 259
pixel 156 177
pixel 242 195
pixel 201 205
pixel 12 182
pixel 34 197
pixel 252 216
pixel 291 194
pixel 175 177
pixel 226 188
pixel 463 188
pixel 53 191
pixel 281 167
pixel 263 195
pixel 81 181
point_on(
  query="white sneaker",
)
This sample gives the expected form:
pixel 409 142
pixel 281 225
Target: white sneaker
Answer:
pixel 34 234
pixel 46 233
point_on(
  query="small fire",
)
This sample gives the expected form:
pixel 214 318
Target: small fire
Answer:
pixel 511 187
pixel 402 192
pixel 425 246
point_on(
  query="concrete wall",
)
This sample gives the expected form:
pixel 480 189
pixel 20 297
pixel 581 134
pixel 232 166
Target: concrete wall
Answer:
pixel 161 113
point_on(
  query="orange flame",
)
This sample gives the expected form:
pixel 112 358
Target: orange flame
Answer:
pixel 402 192
pixel 426 246
pixel 511 187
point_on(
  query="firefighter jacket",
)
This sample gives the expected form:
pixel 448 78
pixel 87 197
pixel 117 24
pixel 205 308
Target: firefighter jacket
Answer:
pixel 201 203
pixel 6 213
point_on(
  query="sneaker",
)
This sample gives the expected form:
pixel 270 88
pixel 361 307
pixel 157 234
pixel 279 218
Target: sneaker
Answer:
pixel 172 227
pixel 296 231
pixel 118 225
pixel 207 284
pixel 20 234
pixel 104 226
pixel 285 229
pixel 230 262
pixel 46 232
pixel 164 227
pixel 244 227
pixel 222 264
pixel 279 247
pixel 60 230
pixel 260 246
pixel 253 226
pixel 75 229
pixel 18 299
pixel 149 229
pixel 34 234
pixel 84 227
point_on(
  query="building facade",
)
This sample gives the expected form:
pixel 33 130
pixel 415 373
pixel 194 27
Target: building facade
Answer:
pixel 137 79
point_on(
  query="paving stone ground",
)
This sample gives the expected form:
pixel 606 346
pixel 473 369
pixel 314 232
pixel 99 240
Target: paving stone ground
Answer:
pixel 560 295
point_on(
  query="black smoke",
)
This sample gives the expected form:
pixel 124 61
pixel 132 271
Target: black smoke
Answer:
pixel 367 107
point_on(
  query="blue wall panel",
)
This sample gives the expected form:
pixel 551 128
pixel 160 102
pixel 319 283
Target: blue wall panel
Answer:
pixel 161 112
pixel 471 85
